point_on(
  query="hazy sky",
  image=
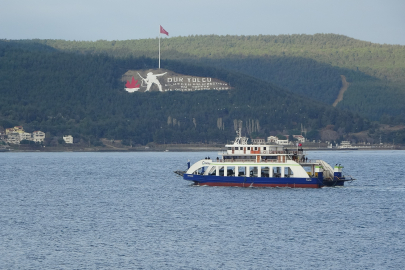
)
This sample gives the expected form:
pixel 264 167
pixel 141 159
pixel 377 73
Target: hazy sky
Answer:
pixel 378 21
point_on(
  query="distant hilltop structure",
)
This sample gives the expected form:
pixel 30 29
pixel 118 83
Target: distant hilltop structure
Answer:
pixel 165 80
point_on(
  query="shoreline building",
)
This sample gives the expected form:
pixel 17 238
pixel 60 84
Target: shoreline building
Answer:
pixel 68 139
pixel 38 136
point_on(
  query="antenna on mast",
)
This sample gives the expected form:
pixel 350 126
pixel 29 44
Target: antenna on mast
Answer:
pixel 239 139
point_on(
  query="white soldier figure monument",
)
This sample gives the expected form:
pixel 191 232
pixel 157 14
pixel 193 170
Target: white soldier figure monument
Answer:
pixel 152 79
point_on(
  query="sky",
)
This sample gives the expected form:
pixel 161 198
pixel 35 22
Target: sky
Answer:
pixel 377 21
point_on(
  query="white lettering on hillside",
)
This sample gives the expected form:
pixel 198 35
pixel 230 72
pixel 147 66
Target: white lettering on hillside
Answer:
pixel 144 81
pixel 193 84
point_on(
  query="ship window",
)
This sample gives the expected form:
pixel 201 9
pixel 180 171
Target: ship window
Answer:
pixel 248 148
pixel 308 169
pixel 236 148
pixel 269 157
pixel 253 172
pixel 265 171
pixel 255 148
pixel 230 170
pixel 288 172
pixel 264 148
pixel 202 170
pixel 241 171
pixel 221 171
pixel 276 171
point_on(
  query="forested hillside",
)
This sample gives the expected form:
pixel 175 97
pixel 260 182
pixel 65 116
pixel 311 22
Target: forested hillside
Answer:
pixel 304 64
pixel 67 93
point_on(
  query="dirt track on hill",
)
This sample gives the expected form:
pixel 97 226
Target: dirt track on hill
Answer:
pixel 345 85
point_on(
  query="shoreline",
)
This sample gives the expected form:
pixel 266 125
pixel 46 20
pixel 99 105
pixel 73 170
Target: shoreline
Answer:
pixel 171 148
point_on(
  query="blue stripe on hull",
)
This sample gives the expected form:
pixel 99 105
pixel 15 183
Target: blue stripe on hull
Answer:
pixel 212 180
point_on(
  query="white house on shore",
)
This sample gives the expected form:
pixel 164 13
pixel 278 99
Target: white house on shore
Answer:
pixel 283 142
pixel 299 138
pixel 68 139
pixel 16 129
pixel 17 134
pixel 274 139
pixel 13 138
pixel 38 136
pixel 25 136
pixel 259 141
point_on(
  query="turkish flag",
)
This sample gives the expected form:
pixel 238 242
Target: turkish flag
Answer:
pixel 163 31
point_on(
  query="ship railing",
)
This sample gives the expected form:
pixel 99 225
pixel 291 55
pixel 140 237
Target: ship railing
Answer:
pixel 271 161
pixel 253 152
pixel 308 161
pixel 237 160
pixel 252 160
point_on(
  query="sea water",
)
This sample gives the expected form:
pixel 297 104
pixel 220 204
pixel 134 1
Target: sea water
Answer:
pixel 130 211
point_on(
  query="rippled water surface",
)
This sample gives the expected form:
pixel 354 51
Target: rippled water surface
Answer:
pixel 130 211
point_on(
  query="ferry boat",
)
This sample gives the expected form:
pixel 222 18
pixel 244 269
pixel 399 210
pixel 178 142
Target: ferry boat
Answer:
pixel 245 165
pixel 346 145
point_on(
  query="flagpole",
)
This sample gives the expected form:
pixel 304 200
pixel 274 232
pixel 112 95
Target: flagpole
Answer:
pixel 159 46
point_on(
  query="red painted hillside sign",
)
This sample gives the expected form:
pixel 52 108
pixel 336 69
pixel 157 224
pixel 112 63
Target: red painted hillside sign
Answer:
pixel 165 80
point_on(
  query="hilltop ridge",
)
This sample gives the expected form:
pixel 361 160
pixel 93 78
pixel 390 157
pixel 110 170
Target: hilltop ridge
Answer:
pixel 309 65
pixel 83 95
pixel 76 88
